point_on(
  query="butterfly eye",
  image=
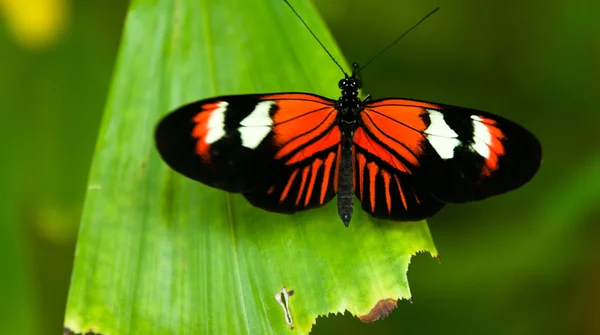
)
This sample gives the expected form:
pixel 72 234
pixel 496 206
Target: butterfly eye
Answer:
pixel 342 83
pixel 358 83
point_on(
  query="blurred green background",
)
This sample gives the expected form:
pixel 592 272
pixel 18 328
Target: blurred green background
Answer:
pixel 522 263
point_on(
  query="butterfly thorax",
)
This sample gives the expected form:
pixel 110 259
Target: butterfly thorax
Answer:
pixel 349 104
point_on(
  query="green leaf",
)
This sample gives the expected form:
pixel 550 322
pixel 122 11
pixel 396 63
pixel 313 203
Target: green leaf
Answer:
pixel 160 254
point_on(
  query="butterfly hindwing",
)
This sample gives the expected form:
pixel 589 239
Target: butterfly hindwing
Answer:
pixel 386 191
pixel 257 145
pixel 303 185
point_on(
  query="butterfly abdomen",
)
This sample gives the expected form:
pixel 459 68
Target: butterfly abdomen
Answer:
pixel 345 191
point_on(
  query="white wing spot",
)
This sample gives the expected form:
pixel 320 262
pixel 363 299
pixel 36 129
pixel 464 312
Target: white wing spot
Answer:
pixel 443 139
pixel 257 125
pixel 482 137
pixel 216 124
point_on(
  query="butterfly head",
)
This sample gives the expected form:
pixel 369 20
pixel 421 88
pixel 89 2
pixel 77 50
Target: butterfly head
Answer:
pixel 351 82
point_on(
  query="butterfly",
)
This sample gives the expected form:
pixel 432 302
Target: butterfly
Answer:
pixel 403 159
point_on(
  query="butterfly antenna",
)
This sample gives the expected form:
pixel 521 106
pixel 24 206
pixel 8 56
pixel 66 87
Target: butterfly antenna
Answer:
pixel 316 38
pixel 399 38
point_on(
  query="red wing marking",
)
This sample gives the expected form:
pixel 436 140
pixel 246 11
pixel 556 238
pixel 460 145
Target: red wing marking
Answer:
pixel 487 121
pixel 292 135
pixel 373 169
pixel 399 128
pixel 332 138
pixel 386 182
pixel 286 190
pixel 401 192
pixel 415 194
pixel 362 161
pixel 326 173
pixel 313 177
pixel 362 140
pixel 495 144
pixel 337 168
pixel 201 121
pixel 302 184
pixel 491 163
pixel 299 119
pixel 201 128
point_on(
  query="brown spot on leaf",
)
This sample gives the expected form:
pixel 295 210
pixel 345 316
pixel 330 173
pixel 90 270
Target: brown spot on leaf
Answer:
pixel 382 309
pixel 143 167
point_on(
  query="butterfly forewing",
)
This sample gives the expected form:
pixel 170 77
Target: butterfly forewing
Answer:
pixel 201 140
pixel 492 156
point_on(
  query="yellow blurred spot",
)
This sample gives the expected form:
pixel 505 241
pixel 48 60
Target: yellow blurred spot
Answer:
pixel 56 224
pixel 35 24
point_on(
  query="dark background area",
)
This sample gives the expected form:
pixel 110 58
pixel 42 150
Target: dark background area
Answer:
pixel 521 263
